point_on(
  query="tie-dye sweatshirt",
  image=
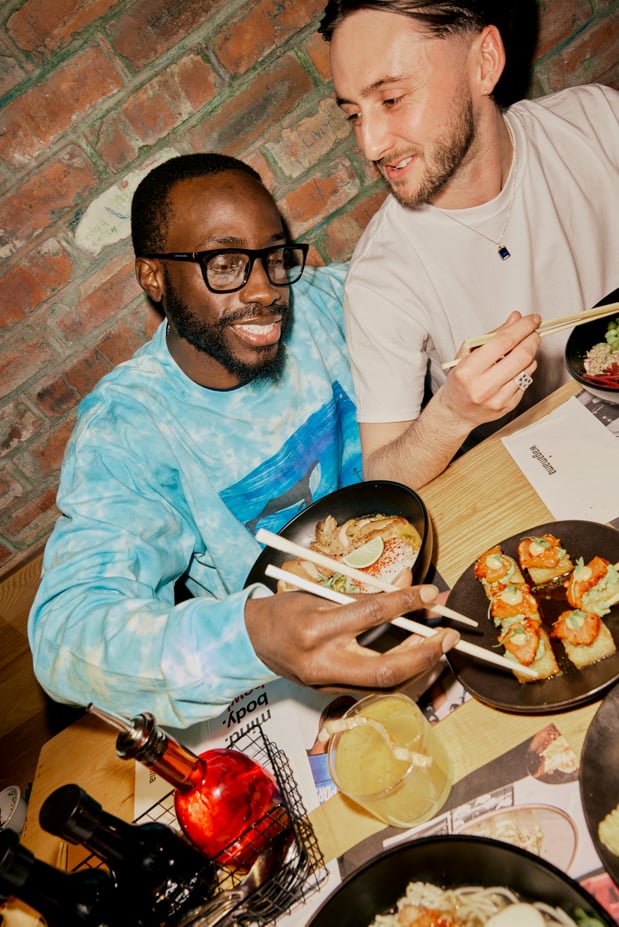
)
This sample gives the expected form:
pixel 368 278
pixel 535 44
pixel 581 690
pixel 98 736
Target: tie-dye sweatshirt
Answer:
pixel 164 479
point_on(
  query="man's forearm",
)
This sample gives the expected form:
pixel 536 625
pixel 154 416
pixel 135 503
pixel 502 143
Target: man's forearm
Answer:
pixel 422 451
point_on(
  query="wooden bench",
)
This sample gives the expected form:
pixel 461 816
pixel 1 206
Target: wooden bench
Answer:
pixel 28 718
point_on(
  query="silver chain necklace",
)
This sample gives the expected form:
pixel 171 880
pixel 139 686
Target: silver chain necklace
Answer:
pixel 502 250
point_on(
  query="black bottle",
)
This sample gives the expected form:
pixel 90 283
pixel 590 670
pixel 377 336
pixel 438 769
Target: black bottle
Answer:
pixel 87 898
pixel 159 874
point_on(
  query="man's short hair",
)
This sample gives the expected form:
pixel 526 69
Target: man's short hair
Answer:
pixel 516 20
pixel 440 17
pixel 150 206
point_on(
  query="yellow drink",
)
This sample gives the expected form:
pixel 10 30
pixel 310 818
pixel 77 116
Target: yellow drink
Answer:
pixel 364 766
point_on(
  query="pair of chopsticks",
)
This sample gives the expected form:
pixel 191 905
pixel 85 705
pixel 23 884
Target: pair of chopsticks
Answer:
pixel 297 551
pixel 550 327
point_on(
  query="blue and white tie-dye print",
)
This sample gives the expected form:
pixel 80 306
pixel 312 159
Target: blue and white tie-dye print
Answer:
pixel 164 479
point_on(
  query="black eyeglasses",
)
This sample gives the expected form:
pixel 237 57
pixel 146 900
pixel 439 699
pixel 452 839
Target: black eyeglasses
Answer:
pixel 227 269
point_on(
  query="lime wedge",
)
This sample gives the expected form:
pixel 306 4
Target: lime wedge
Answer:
pixel 365 555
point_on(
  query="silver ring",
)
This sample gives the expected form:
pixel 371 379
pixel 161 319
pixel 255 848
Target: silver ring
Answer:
pixel 523 380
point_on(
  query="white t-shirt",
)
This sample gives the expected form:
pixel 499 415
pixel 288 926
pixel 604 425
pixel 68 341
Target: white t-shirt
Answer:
pixel 420 283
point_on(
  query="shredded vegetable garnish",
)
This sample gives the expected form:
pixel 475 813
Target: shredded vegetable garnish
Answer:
pixel 602 360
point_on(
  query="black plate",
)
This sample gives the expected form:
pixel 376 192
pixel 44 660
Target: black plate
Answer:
pixel 367 498
pixel 500 688
pixel 599 774
pixel 581 340
pixel 451 861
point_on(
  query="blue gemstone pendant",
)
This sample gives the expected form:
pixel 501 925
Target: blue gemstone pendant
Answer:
pixel 504 253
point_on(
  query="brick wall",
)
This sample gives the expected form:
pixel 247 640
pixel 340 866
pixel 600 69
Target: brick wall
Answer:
pixel 94 93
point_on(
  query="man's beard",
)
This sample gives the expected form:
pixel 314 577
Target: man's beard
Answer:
pixel 211 341
pixel 447 156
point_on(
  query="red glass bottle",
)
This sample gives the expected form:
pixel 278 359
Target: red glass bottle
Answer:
pixel 227 804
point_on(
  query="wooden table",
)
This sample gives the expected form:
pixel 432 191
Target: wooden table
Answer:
pixel 481 497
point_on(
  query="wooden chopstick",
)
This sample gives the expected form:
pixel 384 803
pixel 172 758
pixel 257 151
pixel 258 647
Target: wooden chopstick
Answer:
pixel 473 650
pixel 277 542
pixel 549 327
pixel 598 312
pixel 309 586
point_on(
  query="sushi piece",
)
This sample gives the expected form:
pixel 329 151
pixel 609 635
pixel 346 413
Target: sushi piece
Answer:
pixel 515 599
pixel 593 586
pixel 584 635
pixel 527 642
pixel 496 571
pixel 544 559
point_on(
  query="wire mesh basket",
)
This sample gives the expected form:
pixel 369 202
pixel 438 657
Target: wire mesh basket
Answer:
pixel 303 869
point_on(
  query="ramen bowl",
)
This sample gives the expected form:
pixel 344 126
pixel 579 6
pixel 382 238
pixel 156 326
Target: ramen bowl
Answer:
pixel 452 862
pixel 372 497
pixel 580 341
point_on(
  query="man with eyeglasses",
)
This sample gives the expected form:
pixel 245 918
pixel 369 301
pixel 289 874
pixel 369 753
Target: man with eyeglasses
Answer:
pixel 237 414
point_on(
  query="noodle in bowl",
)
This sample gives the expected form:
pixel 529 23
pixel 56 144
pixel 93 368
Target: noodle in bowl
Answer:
pixel 470 906
pixel 467 878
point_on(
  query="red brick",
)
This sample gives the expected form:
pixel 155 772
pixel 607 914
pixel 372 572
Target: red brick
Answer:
pixel 170 98
pixel 151 27
pixel 101 299
pixel 121 344
pixel 86 372
pixel 10 490
pixel 18 423
pixel 41 460
pixel 255 158
pixel 319 196
pixel 40 115
pixel 557 21
pixel 344 231
pixel 47 455
pixel 587 57
pixel 37 277
pixel 12 72
pixel 195 79
pixel 32 523
pixel 21 358
pixel 263 26
pixel 39 24
pixel 57 397
pixel 38 202
pixel 318 52
pixel 298 144
pixel 610 77
pixel 241 120
pixel 314 258
pixel 114 140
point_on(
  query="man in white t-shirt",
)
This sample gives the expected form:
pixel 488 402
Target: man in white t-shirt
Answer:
pixel 497 218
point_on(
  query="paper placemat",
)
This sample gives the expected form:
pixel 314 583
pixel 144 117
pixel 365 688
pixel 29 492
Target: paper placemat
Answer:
pixel 572 460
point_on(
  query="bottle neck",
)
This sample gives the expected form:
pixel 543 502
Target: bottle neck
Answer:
pixel 71 814
pixel 150 745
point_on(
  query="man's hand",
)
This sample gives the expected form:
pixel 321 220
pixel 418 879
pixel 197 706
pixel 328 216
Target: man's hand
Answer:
pixel 313 642
pixel 483 388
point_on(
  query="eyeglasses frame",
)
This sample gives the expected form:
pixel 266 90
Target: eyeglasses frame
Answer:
pixel 202 257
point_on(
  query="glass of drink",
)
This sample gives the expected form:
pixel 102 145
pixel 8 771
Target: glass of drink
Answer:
pixel 386 757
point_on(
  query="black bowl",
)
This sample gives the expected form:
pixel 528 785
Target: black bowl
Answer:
pixel 581 340
pixel 450 862
pixel 371 497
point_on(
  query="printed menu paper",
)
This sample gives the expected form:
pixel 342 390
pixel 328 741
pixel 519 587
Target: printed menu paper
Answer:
pixel 571 459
